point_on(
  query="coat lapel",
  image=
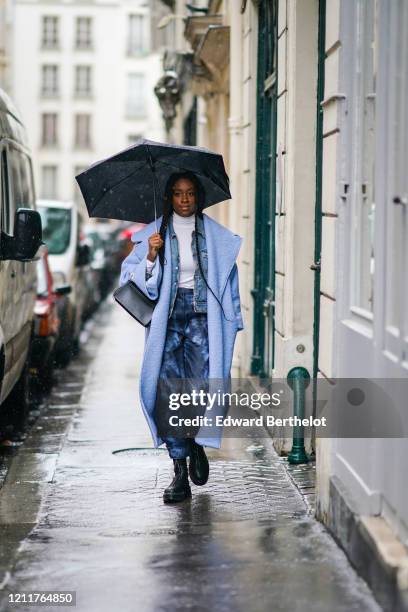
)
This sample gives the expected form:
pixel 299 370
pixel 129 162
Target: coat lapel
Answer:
pixel 223 248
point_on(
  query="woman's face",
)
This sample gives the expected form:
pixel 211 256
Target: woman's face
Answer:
pixel 184 197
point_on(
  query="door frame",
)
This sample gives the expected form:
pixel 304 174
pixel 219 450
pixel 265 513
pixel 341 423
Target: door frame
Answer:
pixel 263 291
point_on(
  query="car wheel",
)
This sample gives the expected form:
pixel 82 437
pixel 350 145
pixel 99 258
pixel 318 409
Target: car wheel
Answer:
pixel 75 346
pixel 65 349
pixel 47 376
pixel 62 359
pixel 14 409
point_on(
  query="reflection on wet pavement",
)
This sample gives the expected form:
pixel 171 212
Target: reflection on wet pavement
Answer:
pixel 91 519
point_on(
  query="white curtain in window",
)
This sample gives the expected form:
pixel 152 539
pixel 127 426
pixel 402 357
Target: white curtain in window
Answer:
pixel 83 131
pixel 49 84
pixel 49 31
pixel 136 105
pixel 49 129
pixel 83 38
pixel 49 182
pixel 136 34
pixel 83 85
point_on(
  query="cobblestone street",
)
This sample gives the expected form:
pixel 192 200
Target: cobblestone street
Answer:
pixel 80 512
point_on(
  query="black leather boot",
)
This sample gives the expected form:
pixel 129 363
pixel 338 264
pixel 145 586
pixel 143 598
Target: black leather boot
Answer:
pixel 179 488
pixel 198 466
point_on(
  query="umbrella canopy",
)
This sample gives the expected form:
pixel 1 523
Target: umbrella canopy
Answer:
pixel 130 185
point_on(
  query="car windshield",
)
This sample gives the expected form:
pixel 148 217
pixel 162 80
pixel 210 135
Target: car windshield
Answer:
pixel 56 227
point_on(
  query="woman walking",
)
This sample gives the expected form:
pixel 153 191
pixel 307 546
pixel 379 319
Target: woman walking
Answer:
pixel 190 266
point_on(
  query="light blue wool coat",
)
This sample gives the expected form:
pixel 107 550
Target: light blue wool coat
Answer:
pixel 223 247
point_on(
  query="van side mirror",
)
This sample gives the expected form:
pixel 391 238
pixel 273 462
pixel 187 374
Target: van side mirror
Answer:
pixel 27 233
pixel 27 239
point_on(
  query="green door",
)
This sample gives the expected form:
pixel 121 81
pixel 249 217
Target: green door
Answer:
pixel 264 278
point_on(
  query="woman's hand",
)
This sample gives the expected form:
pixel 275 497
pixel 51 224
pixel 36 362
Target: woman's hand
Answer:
pixel 155 243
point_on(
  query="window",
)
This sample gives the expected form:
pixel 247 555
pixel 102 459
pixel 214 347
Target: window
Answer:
pixel 49 182
pixel 22 187
pixel 136 106
pixel 83 131
pixel 56 226
pixel 5 213
pixel 16 184
pixel 83 33
pixel 393 156
pixel 50 31
pixel 49 130
pixel 83 82
pixel 50 80
pixel 363 145
pixel 27 182
pixel 137 35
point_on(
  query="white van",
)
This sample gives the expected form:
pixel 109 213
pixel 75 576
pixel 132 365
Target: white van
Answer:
pixel 67 257
pixel 20 242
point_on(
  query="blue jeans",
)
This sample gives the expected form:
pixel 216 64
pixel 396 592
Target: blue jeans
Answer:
pixel 185 356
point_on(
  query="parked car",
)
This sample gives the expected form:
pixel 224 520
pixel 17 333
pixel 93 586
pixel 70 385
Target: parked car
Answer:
pixel 102 244
pixel 115 253
pixel 68 258
pixel 46 324
pixel 20 242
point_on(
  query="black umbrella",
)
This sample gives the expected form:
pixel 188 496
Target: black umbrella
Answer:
pixel 124 186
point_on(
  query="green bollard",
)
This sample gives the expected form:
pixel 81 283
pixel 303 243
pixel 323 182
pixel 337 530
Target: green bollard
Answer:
pixel 298 380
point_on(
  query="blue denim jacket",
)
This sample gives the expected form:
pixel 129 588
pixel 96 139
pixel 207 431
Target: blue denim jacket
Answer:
pixel 200 288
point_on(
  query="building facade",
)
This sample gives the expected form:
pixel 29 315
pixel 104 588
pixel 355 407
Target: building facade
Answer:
pixel 307 102
pixel 83 77
pixel 364 295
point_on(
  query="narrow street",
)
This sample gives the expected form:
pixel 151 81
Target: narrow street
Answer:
pixel 76 515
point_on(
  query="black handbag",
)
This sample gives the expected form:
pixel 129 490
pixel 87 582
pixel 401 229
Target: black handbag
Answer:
pixel 130 297
pixel 135 302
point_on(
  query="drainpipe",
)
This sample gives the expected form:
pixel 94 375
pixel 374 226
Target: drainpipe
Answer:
pixel 298 380
pixel 316 266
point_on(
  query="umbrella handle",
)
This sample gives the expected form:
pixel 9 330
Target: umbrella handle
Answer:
pixel 154 195
pixel 154 200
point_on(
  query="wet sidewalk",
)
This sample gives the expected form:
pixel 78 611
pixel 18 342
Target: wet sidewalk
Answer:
pixel 245 541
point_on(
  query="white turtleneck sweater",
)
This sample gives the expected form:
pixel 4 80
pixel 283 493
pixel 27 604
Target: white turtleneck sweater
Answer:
pixel 183 227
